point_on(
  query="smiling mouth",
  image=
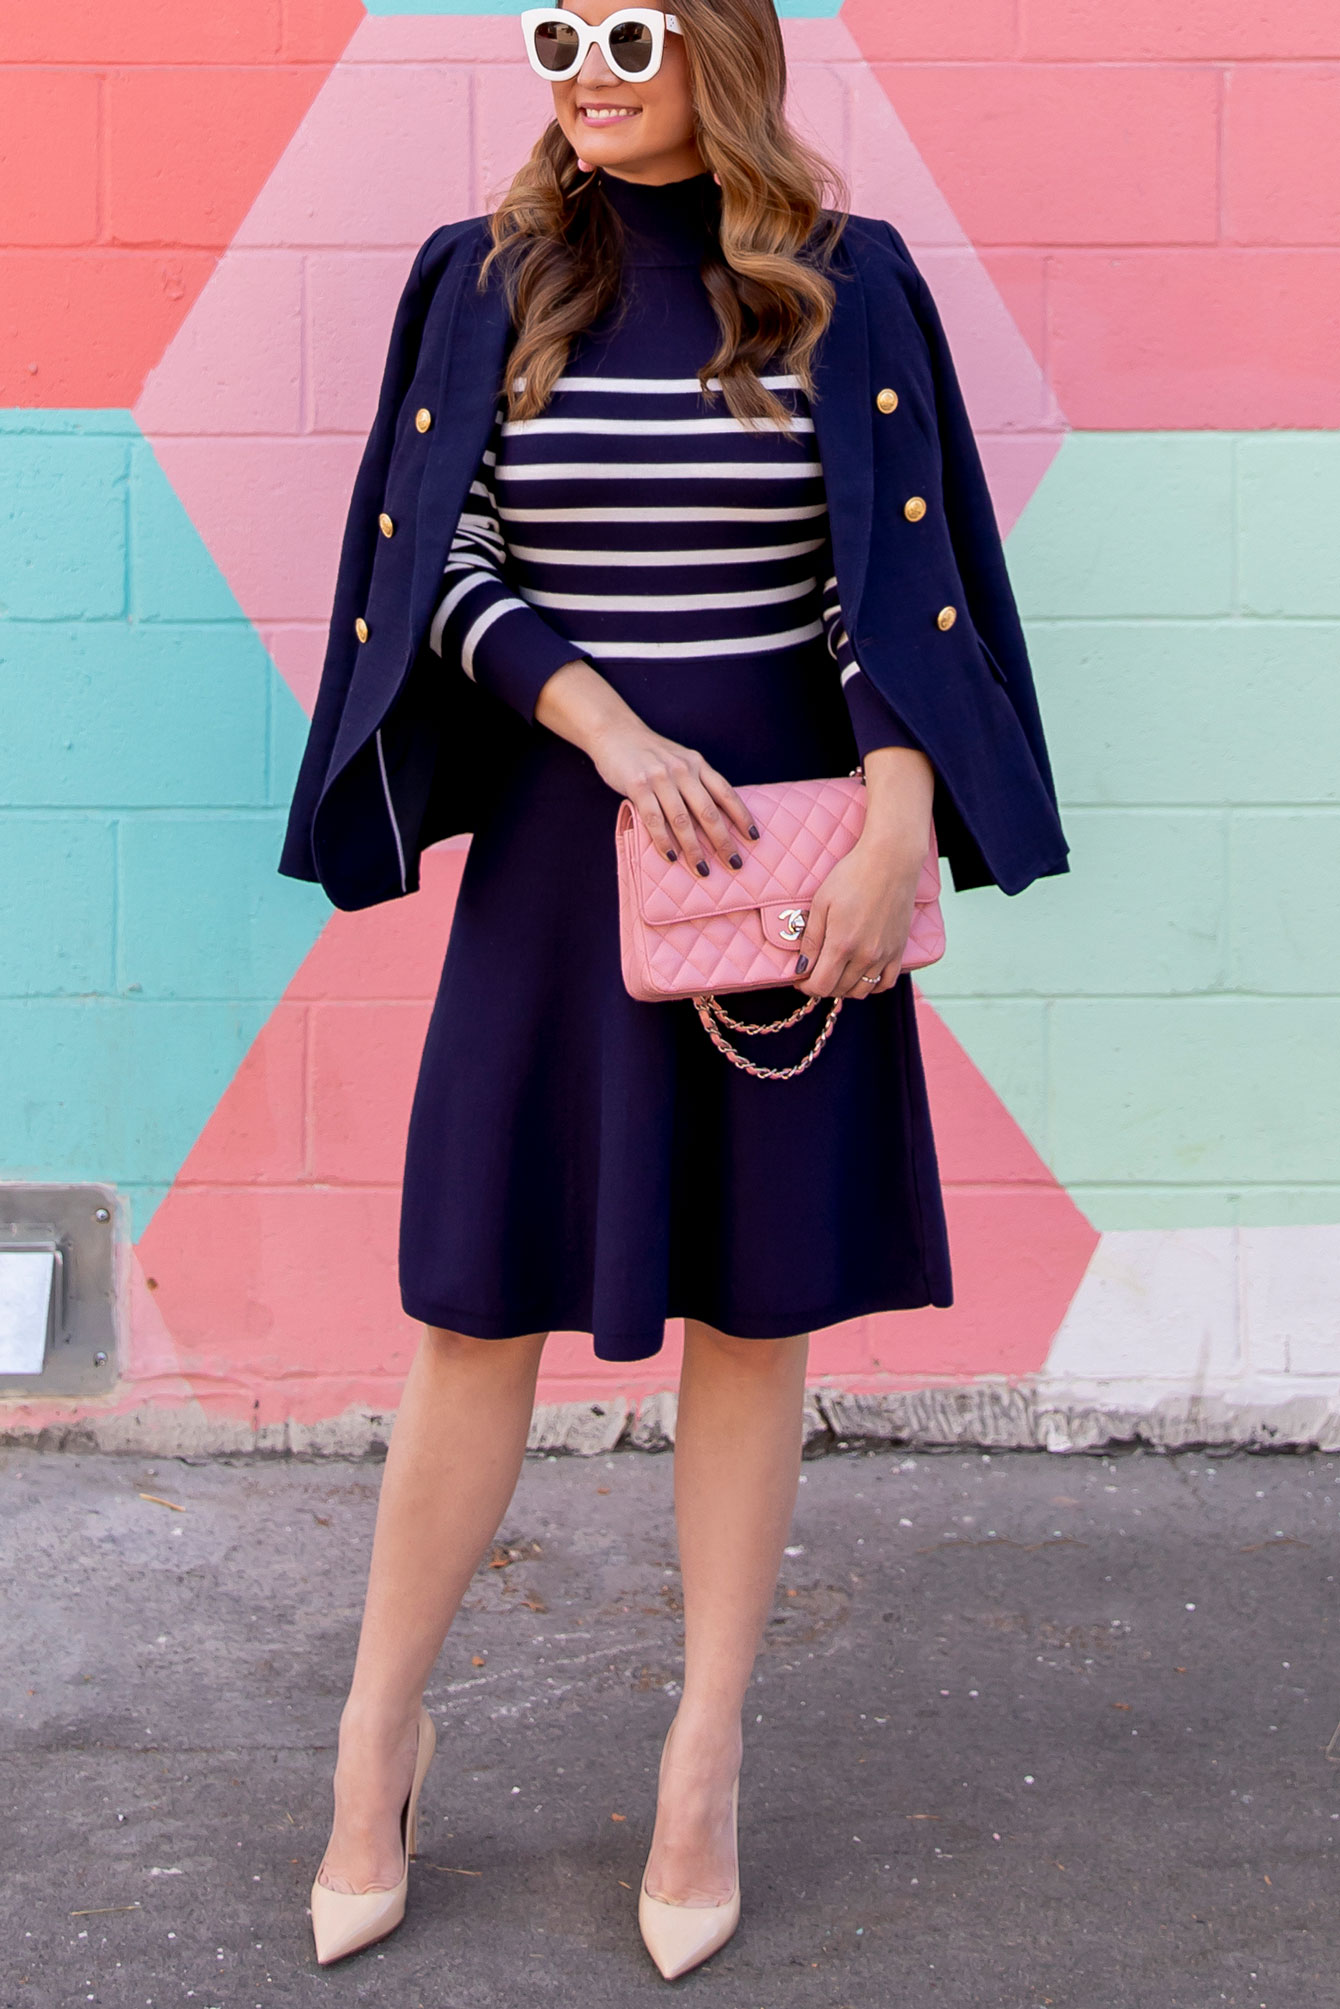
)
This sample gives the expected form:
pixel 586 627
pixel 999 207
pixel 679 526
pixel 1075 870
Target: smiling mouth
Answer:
pixel 609 115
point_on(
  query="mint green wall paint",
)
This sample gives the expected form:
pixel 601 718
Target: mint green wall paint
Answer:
pixel 1287 489
pixel 145 770
pixel 1165 1022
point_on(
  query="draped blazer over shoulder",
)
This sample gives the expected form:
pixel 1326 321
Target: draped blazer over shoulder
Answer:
pixel 404 750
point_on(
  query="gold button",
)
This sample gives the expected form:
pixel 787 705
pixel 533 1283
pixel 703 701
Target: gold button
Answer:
pixel 887 401
pixel 361 629
pixel 387 525
pixel 914 508
pixel 946 618
pixel 423 418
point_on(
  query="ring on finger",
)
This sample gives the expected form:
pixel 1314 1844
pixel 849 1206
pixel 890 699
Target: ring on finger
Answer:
pixel 874 980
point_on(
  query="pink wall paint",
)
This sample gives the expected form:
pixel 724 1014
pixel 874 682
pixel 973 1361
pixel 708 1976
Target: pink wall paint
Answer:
pixel 133 140
pixel 1157 186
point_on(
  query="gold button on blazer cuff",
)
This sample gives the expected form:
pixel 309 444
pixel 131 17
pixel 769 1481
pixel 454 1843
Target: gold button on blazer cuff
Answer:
pixel 423 418
pixel 914 508
pixel 361 629
pixel 887 401
pixel 387 524
pixel 946 618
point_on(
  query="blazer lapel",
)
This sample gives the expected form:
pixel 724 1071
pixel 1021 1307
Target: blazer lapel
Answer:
pixel 845 435
pixel 473 357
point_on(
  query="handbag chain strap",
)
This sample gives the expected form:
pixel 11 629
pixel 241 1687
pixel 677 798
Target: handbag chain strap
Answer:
pixel 723 1017
pixel 714 1016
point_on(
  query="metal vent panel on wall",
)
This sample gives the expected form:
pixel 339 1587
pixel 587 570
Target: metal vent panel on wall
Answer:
pixel 57 1290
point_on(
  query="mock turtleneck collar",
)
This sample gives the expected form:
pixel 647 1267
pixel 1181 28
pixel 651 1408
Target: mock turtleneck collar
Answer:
pixel 668 223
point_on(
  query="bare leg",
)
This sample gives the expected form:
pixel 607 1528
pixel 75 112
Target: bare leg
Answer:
pixel 737 1463
pixel 451 1470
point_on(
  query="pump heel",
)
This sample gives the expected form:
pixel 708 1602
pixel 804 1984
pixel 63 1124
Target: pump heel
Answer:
pixel 344 1922
pixel 681 1936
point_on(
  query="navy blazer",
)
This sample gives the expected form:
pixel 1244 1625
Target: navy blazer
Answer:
pixel 403 750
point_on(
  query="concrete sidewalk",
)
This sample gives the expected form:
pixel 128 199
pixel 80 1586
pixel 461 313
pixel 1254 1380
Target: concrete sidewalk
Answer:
pixel 1026 1730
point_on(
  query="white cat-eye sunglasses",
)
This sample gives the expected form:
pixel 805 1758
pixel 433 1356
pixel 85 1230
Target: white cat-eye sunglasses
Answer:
pixel 631 41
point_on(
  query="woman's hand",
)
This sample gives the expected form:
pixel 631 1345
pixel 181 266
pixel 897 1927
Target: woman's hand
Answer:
pixel 690 811
pixel 862 914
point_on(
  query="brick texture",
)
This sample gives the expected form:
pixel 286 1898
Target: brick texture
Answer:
pixel 1153 190
pixel 1155 187
pixel 152 126
pixel 1163 1021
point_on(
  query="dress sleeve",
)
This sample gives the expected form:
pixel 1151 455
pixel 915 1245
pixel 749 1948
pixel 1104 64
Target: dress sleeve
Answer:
pixel 500 641
pixel 874 721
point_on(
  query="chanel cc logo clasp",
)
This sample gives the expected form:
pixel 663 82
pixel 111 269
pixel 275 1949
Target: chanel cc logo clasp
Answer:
pixel 793 921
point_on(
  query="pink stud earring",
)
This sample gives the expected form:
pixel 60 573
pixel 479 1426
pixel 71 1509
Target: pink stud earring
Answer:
pixel 717 179
pixel 585 165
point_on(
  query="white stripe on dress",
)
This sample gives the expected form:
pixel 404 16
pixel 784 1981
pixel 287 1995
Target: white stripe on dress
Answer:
pixel 655 387
pixel 676 513
pixel 643 470
pixel 638 428
pixel 475 576
pixel 738 645
pixel 749 554
pixel 668 603
pixel 481 627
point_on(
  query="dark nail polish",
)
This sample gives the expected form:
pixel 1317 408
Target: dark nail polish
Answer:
pixel 753 830
pixel 672 855
pixel 737 861
pixel 703 869
pixel 802 966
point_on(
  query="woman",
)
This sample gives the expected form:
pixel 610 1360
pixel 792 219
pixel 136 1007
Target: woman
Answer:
pixel 670 490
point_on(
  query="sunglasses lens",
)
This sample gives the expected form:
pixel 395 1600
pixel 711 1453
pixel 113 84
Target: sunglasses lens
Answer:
pixel 556 46
pixel 631 46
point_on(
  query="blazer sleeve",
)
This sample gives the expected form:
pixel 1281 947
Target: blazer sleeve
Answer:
pixel 357 553
pixel 973 528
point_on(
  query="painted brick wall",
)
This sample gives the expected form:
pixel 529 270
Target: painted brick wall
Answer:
pixel 1131 219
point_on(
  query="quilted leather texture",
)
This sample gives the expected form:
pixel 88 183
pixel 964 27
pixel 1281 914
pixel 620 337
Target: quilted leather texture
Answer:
pixel 734 931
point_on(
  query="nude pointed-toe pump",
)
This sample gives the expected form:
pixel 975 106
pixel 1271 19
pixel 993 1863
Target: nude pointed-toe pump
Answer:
pixel 345 1922
pixel 681 1936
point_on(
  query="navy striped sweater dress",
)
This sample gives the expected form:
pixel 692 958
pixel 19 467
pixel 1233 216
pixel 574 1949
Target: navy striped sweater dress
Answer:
pixel 578 1160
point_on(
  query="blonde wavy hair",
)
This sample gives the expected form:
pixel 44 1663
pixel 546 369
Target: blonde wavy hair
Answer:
pixel 559 243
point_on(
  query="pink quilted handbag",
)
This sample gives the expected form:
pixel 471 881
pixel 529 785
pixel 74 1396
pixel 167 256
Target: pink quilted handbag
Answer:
pixel 684 936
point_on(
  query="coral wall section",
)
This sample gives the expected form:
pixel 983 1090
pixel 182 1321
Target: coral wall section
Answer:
pixel 1129 224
